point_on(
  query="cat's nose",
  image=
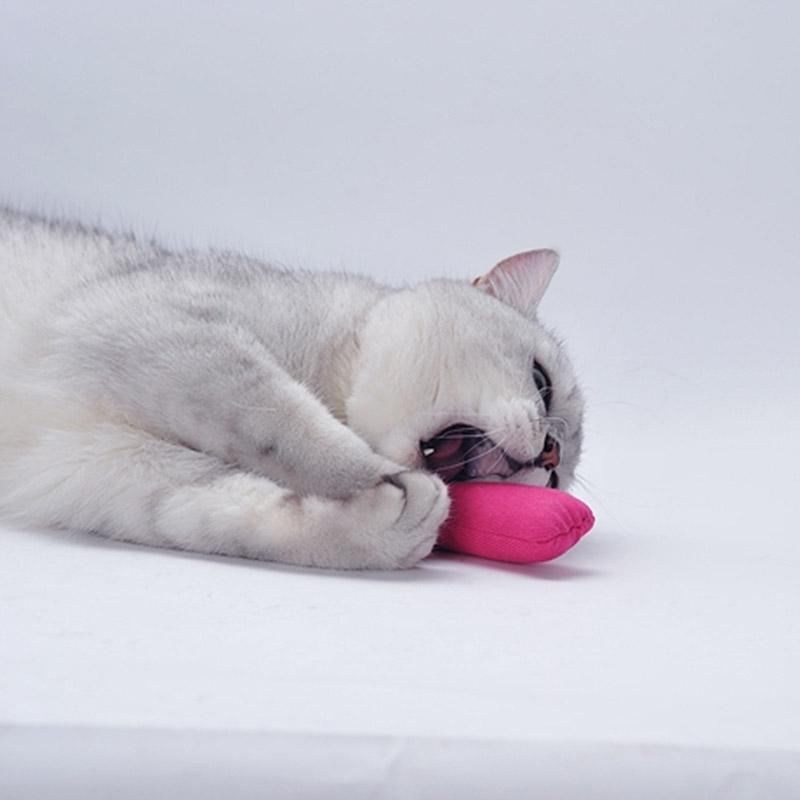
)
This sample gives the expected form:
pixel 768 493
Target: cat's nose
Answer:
pixel 550 457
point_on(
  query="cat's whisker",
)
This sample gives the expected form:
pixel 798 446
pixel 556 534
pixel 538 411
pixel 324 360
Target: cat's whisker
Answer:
pixel 479 434
pixel 465 462
pixel 592 489
pixel 582 482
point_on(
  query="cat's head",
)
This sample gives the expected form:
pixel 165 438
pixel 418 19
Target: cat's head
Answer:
pixel 463 380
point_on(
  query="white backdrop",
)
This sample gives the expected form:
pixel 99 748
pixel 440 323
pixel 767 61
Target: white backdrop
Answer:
pixel 656 145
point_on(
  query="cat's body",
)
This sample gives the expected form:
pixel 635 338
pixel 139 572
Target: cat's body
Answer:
pixel 210 402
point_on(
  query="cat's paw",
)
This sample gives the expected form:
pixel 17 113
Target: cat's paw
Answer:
pixel 394 524
pixel 422 504
pixel 426 504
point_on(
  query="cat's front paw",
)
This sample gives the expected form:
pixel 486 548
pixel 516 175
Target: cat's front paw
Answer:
pixel 426 504
pixel 395 524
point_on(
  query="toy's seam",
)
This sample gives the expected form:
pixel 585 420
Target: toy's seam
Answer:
pixel 574 528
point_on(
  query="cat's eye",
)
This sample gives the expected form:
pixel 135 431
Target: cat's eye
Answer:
pixel 543 384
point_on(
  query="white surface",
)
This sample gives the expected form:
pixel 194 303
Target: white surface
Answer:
pixel 656 146
pixel 131 764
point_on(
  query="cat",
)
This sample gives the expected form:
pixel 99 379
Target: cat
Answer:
pixel 210 402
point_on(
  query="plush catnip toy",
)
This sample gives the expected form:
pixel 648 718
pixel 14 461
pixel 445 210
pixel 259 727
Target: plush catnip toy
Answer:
pixel 513 522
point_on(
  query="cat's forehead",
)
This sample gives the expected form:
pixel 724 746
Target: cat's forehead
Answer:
pixel 458 303
pixel 461 295
pixel 459 325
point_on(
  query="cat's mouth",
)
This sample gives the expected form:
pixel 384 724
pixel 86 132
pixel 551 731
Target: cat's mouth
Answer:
pixel 464 453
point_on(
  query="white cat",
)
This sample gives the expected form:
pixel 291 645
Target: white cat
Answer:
pixel 210 402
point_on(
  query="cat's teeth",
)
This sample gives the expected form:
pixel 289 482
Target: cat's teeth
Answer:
pixel 428 451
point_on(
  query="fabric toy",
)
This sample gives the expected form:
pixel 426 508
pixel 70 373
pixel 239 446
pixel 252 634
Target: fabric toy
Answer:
pixel 512 522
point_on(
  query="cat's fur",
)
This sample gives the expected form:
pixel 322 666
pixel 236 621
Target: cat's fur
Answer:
pixel 207 401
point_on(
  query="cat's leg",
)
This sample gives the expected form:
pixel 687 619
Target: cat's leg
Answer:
pixel 215 388
pixel 126 484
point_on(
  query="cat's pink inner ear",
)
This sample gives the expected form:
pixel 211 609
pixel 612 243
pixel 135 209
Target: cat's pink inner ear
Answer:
pixel 520 280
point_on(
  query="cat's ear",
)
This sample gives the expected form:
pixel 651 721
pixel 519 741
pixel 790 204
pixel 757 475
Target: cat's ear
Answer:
pixel 520 280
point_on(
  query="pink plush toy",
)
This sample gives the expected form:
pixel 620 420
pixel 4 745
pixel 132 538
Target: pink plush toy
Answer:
pixel 512 522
